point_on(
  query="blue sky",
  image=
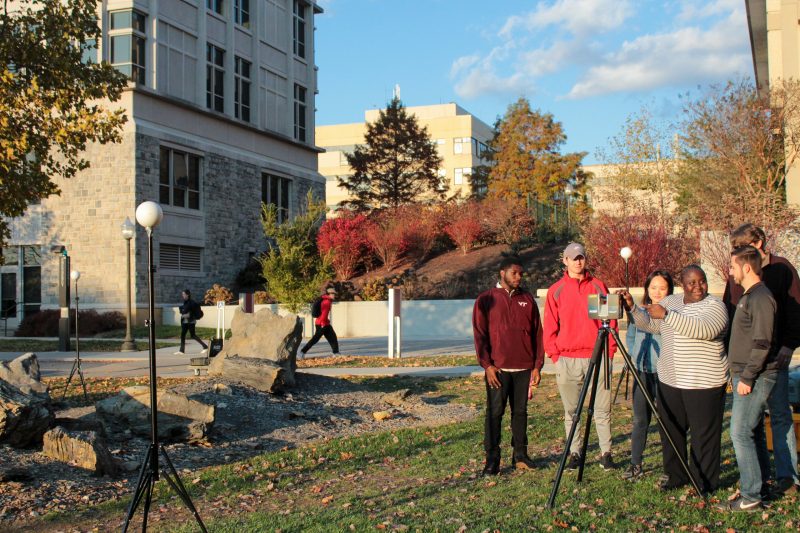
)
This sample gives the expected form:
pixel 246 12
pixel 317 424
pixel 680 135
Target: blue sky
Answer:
pixel 589 62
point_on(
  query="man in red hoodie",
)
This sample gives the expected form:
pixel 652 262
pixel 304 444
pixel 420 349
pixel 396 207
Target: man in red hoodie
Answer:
pixel 322 324
pixel 508 342
pixel 569 339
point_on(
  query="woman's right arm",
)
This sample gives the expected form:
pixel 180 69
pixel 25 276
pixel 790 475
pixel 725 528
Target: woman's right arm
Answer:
pixel 644 322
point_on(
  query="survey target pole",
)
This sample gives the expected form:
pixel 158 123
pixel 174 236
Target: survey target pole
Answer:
pixel 395 301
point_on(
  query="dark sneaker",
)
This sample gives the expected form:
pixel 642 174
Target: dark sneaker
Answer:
pixel 492 467
pixel 524 463
pixel 784 486
pixel 574 461
pixel 740 504
pixel 669 484
pixel 633 473
pixel 607 462
pixel 301 354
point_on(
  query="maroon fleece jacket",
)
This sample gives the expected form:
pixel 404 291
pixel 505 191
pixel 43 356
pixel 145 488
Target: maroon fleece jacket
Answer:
pixel 507 329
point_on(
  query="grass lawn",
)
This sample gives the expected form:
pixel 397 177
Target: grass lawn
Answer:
pixel 350 361
pixel 86 345
pixel 162 332
pixel 427 479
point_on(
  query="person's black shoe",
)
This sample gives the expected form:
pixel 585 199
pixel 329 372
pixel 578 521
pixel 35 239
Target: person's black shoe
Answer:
pixel 607 462
pixel 523 462
pixel 740 505
pixel 492 467
pixel 670 484
pixel 633 473
pixel 574 461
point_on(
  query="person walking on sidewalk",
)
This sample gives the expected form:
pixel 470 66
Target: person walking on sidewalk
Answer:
pixel 644 348
pixel 569 339
pixel 322 323
pixel 753 359
pixel 781 278
pixel 189 312
pixel 508 343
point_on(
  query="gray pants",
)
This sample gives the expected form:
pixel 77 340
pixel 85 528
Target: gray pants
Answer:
pixel 570 373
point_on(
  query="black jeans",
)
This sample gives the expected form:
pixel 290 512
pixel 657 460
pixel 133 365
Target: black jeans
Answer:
pixel 699 412
pixel 513 385
pixel 330 336
pixel 642 414
pixel 189 326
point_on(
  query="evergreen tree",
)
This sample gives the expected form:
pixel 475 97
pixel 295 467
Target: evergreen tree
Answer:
pixel 49 97
pixel 397 165
pixel 526 158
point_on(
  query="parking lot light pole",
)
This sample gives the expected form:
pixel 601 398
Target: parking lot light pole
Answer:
pixel 128 231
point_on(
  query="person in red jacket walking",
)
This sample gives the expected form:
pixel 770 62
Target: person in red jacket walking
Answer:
pixel 508 343
pixel 569 339
pixel 322 324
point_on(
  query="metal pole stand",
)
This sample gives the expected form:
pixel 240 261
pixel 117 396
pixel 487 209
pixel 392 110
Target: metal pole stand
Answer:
pixel 76 364
pixel 599 353
pixel 148 475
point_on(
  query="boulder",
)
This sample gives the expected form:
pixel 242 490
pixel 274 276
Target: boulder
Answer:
pixel 260 374
pixel 397 398
pixel 179 418
pixel 24 418
pixel 23 372
pixel 262 335
pixel 84 449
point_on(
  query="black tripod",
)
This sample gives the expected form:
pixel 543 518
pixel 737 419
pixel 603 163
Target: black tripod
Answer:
pixel 148 475
pixel 592 375
pixel 76 364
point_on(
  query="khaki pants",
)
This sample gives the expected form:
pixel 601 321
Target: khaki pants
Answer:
pixel 570 373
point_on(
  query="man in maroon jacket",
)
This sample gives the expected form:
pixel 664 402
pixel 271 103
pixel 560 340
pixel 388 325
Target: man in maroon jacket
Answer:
pixel 508 342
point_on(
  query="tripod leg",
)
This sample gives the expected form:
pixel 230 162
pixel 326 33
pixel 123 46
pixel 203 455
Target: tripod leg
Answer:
pixel 175 482
pixel 575 420
pixel 141 482
pixel 652 405
pixel 593 376
pixel 623 375
pixel 627 376
pixel 69 379
pixel 83 381
pixel 148 498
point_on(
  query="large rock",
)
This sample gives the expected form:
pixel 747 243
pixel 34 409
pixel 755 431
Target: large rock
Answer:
pixel 24 418
pixel 260 374
pixel 179 418
pixel 84 449
pixel 262 335
pixel 23 372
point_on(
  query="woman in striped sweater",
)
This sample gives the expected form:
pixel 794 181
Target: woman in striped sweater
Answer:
pixel 692 375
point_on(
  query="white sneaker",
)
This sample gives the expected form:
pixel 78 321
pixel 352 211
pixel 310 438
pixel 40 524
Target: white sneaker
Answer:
pixel 179 353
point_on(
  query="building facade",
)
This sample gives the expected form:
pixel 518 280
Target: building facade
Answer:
pixel 460 139
pixel 220 114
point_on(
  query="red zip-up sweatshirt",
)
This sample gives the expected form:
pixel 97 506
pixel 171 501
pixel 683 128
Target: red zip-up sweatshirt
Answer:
pixel 568 330
pixel 507 330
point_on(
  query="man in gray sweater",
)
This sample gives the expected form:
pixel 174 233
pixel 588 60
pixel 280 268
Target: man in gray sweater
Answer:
pixel 752 356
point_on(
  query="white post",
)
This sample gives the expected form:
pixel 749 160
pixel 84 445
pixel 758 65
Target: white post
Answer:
pixel 395 299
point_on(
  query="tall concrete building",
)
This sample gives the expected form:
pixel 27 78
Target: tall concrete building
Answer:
pixel 220 118
pixel 775 41
pixel 460 139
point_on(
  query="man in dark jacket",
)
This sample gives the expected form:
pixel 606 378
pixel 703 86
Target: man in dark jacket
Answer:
pixel 753 359
pixel 508 343
pixel 188 321
pixel 781 278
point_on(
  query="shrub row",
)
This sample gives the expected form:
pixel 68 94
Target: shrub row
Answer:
pixel 45 323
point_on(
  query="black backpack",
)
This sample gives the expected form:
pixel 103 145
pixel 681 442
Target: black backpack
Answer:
pixel 316 308
pixel 197 311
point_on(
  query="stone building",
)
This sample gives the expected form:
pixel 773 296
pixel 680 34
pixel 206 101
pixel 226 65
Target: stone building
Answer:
pixel 220 114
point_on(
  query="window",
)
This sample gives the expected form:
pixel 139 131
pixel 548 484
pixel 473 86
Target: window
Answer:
pixel 31 279
pixel 178 257
pixel 277 190
pixel 128 36
pixel 241 12
pixel 241 94
pixel 215 78
pixel 215 5
pixel 459 173
pixel 459 143
pixel 482 148
pixel 475 149
pixel 8 295
pixel 89 51
pixel 179 179
pixel 299 112
pixel 299 29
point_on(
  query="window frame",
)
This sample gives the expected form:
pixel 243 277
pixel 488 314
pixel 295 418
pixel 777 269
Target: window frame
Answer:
pixel 299 29
pixel 216 6
pixel 172 184
pixel 300 113
pixel 136 32
pixel 241 13
pixel 215 78
pixel 242 85
pixel 284 188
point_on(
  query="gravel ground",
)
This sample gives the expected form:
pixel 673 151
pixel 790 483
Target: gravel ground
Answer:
pixel 247 423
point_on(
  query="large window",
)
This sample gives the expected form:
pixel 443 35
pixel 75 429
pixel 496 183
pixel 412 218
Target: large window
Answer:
pixel 27 262
pixel 127 34
pixel 459 173
pixel 277 190
pixel 241 95
pixel 179 179
pixel 215 5
pixel 178 257
pixel 215 78
pixel 299 112
pixel 299 29
pixel 241 12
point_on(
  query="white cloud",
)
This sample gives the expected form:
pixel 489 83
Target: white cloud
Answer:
pixel 687 55
pixel 484 80
pixel 463 63
pixel 691 10
pixel 580 17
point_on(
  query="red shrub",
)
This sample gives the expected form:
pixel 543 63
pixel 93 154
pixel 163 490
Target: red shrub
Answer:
pixel 654 247
pixel 345 239
pixel 388 235
pixel 506 220
pixel 422 227
pixel 464 227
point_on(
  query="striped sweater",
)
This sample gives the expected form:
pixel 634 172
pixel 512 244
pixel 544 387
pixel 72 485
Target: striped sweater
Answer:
pixel 692 350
